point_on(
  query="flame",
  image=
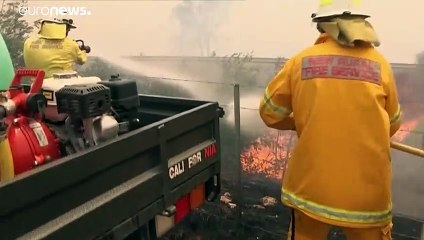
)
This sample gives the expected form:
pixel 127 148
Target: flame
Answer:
pixel 406 128
pixel 267 155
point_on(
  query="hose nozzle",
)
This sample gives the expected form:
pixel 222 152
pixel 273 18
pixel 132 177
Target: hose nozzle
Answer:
pixel 82 46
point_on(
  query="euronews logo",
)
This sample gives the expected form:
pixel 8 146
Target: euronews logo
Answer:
pixel 54 11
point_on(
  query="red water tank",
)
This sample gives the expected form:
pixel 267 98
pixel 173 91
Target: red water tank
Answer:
pixel 32 143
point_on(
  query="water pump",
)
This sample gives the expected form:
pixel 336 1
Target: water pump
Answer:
pixel 26 141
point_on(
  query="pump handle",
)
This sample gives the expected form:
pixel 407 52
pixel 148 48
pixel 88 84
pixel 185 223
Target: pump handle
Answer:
pixel 36 85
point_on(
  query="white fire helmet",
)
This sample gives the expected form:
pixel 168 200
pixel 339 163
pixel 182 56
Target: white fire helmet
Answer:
pixel 334 8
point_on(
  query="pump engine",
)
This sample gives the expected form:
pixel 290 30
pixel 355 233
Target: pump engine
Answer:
pixel 94 112
pixel 124 102
pixel 88 123
pixel 54 84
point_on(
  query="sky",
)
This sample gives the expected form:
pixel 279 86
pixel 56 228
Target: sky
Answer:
pixel 269 28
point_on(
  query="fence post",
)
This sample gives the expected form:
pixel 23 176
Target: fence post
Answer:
pixel 237 129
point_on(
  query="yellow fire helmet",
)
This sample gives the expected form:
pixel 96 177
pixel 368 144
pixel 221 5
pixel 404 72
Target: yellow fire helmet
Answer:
pixel 334 8
pixel 54 29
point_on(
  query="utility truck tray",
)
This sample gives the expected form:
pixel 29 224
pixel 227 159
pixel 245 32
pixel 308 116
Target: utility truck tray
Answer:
pixel 114 189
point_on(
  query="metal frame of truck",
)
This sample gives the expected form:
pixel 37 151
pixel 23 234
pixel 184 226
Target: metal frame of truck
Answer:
pixel 116 188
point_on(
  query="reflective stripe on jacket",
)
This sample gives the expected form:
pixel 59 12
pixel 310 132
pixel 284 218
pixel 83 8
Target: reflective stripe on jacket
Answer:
pixel 345 107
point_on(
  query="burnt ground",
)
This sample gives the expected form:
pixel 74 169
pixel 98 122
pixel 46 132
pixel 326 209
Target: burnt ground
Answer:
pixel 219 221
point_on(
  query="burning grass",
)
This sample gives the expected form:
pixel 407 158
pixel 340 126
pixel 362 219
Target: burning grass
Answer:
pixel 267 155
pixel 406 129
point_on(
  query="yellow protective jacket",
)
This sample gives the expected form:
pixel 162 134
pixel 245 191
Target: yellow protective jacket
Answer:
pixel 344 106
pixel 52 51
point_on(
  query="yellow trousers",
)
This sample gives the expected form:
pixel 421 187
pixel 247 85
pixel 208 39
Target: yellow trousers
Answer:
pixel 303 227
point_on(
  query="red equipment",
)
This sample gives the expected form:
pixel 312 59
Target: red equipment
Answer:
pixel 31 142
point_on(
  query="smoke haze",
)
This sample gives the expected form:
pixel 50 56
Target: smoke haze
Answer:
pixel 270 28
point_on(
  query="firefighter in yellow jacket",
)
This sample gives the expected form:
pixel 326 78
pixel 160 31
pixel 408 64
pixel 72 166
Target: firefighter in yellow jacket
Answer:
pixel 340 96
pixel 52 50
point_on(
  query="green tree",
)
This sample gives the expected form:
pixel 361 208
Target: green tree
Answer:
pixel 14 29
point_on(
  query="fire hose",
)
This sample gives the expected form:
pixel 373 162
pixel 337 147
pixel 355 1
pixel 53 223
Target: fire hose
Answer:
pixel 408 149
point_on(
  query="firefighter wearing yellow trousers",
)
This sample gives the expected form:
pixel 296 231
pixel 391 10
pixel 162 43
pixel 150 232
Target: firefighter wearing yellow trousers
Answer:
pixel 52 50
pixel 340 96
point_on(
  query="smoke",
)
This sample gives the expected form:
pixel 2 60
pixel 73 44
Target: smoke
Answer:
pixel 199 23
pixel 420 58
pixel 250 121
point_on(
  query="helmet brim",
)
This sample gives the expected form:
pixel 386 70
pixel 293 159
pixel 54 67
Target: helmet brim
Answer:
pixel 71 26
pixel 325 17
